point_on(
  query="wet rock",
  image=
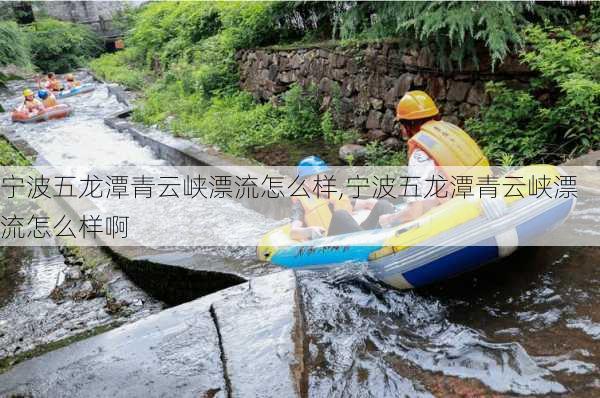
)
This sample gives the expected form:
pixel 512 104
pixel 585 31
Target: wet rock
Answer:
pixel 376 103
pixel 374 120
pixel 392 143
pixel 457 91
pixel 468 111
pixel 338 74
pixel 325 85
pixel 87 291
pixel 477 94
pixel 404 83
pixel 287 77
pixel 388 121
pixel 451 119
pixel 425 59
pixel 71 259
pixel 57 294
pixel 436 88
pixel 114 306
pixel 352 152
pixel 73 273
pixel 376 135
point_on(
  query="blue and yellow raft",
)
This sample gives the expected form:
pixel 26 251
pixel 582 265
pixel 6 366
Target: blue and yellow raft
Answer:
pixel 455 237
pixel 84 88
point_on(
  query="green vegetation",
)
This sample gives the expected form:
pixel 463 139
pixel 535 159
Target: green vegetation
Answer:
pixel 564 120
pixel 14 46
pixel 48 44
pixel 181 55
pixel 61 46
pixel 120 68
pixel 9 156
pixel 184 55
pixel 455 28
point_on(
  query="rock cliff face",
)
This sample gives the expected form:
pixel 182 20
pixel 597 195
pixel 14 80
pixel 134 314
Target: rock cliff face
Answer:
pixel 97 14
pixel 371 78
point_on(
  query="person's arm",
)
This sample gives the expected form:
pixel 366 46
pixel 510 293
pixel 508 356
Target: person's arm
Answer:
pixel 412 211
pixel 298 230
pixel 365 204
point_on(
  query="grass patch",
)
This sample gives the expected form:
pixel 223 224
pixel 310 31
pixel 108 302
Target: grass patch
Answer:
pixel 10 156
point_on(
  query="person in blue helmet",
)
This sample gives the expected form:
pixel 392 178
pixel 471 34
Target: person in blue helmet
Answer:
pixel 315 216
pixel 48 99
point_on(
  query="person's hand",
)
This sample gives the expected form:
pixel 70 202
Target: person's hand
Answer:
pixel 386 220
pixel 315 232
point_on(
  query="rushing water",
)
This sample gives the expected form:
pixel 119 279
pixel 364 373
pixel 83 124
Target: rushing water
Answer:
pixel 527 325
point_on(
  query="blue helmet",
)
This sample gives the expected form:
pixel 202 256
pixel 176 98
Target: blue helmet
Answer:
pixel 43 94
pixel 311 165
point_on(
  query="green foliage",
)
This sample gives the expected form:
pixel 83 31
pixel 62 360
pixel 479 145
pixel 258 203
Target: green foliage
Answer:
pixel 333 135
pixel 59 46
pixel 507 126
pixel 119 68
pixel 235 122
pixel 301 110
pixel 237 125
pixel 566 122
pixel 14 48
pixel 380 155
pixel 9 156
pixel 454 27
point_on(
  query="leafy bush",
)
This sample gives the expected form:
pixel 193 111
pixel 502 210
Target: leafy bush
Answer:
pixel 454 27
pixel 9 156
pixel 333 135
pixel 14 48
pixel 507 126
pixel 565 121
pixel 119 68
pixel 59 46
pixel 235 122
pixel 380 155
pixel 237 125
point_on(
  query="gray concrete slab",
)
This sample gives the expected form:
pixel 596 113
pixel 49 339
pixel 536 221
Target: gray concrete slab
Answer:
pixel 180 351
pixel 261 351
pixel 173 353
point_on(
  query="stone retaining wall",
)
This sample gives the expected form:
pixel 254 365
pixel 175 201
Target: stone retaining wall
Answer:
pixel 372 78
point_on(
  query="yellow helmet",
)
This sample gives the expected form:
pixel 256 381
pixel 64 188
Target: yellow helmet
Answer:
pixel 70 77
pixel 416 105
pixel 27 92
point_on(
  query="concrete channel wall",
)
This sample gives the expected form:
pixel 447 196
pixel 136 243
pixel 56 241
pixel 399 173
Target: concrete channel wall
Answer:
pixel 209 347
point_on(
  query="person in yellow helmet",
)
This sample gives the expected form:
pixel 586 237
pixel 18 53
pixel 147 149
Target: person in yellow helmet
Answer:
pixel 30 104
pixel 432 145
pixel 71 82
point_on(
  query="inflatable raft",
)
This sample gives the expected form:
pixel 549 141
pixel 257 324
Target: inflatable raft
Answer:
pixel 455 237
pixel 84 88
pixel 56 112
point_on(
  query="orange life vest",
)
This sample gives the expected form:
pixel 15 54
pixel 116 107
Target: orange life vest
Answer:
pixel 54 85
pixel 317 212
pixel 50 101
pixel 449 146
